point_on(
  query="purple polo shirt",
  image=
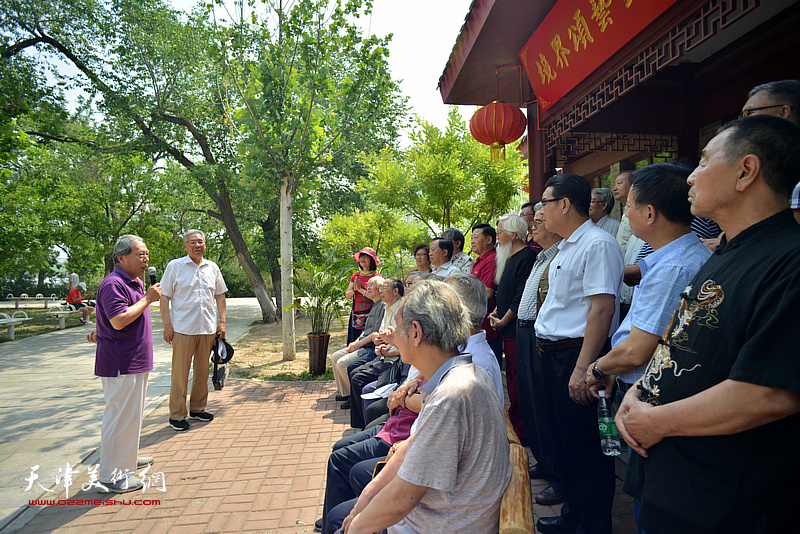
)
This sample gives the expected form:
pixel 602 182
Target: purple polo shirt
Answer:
pixel 130 350
pixel 484 270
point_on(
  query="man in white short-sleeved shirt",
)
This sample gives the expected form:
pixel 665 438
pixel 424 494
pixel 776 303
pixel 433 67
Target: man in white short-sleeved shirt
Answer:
pixel 572 330
pixel 193 285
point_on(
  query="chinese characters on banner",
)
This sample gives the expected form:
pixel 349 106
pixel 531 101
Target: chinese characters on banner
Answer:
pixel 578 36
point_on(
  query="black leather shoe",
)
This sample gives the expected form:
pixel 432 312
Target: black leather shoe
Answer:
pixel 340 398
pixel 555 524
pixel 536 472
pixel 318 525
pixel 551 495
pixel 346 405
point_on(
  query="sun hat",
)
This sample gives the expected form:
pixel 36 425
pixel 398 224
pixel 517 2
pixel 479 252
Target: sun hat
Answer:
pixel 369 252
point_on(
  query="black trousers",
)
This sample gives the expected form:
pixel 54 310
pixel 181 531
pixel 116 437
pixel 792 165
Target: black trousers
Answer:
pixel 589 479
pixel 529 375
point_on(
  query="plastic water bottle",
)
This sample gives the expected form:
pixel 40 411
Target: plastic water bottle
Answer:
pixel 609 436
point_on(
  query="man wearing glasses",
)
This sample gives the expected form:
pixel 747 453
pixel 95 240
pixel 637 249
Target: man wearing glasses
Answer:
pixel 193 285
pixel 572 330
pixel 123 361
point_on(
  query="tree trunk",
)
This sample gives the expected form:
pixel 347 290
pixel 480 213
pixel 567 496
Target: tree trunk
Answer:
pixel 287 259
pixel 40 281
pixel 275 273
pixel 268 312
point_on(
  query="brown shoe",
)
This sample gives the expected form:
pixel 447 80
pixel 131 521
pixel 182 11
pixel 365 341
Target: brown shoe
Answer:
pixel 550 496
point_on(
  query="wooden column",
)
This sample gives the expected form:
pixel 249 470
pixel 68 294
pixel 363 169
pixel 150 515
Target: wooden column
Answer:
pixel 537 176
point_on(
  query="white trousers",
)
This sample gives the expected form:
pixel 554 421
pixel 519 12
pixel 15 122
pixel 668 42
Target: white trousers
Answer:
pixel 341 359
pixel 122 423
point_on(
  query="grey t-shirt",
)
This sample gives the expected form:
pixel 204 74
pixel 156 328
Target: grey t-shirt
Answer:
pixel 460 453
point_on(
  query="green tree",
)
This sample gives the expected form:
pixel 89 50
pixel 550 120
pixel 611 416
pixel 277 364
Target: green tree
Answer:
pixel 322 89
pixel 444 179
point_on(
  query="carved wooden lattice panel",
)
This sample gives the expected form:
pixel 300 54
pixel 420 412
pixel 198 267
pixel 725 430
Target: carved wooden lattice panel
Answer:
pixel 708 21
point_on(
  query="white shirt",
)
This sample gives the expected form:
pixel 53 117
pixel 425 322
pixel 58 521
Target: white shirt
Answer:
pixel 588 263
pixel 482 356
pixel 445 269
pixel 191 289
pixel 609 224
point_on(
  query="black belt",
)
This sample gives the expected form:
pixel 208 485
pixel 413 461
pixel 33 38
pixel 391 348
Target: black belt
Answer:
pixel 623 386
pixel 543 345
pixel 524 323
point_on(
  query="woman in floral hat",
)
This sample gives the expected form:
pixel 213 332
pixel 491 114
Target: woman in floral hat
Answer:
pixel 367 258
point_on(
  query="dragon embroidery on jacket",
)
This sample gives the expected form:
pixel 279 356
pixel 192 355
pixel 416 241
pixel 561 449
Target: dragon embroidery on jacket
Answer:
pixel 702 311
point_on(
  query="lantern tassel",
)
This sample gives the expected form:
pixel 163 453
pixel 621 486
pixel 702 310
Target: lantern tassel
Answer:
pixel 497 151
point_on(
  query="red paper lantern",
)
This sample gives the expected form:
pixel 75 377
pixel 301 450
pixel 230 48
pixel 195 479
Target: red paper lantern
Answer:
pixel 497 125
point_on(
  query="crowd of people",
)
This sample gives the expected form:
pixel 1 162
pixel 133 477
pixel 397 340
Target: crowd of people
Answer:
pixel 682 309
pixel 573 304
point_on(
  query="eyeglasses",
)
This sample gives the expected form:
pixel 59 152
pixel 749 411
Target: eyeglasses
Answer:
pixel 596 202
pixel 538 222
pixel 545 201
pixel 750 111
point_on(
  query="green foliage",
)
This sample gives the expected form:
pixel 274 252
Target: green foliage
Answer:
pixel 321 290
pixel 444 179
pixel 382 230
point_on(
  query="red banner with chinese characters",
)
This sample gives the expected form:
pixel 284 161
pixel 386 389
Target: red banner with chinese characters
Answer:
pixel 578 36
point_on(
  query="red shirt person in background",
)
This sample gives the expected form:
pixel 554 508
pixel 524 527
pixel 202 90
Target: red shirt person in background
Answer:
pixel 75 298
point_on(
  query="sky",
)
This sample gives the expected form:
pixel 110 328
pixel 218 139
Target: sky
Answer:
pixel 424 32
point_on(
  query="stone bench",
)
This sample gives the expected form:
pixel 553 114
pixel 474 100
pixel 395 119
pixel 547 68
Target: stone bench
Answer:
pixel 62 312
pixel 25 297
pixel 16 319
pixel 516 509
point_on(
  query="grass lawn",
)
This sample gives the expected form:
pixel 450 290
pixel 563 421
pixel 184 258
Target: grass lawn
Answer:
pixel 41 323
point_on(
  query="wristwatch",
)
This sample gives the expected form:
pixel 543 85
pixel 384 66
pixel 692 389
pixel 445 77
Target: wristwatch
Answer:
pixel 598 374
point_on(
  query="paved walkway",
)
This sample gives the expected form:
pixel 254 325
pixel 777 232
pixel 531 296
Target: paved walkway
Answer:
pixel 51 405
pixel 258 467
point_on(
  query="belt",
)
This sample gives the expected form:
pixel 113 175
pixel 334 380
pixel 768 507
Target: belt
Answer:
pixel 623 386
pixel 543 345
pixel 524 323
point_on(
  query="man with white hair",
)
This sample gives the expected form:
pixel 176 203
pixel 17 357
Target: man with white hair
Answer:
pixel 514 263
pixel 193 285
pixel 599 209
pixel 451 475
pixel 358 348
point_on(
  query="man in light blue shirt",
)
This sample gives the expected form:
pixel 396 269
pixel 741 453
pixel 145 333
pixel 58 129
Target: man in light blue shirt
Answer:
pixel 659 213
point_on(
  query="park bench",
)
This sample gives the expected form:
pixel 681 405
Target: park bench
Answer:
pixel 16 319
pixel 25 297
pixel 62 312
pixel 516 509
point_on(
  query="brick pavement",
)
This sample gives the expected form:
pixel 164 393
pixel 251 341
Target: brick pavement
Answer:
pixel 258 467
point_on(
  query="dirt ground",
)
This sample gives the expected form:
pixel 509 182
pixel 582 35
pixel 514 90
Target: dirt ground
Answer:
pixel 259 353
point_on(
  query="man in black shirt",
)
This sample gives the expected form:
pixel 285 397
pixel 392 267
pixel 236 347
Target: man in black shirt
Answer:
pixel 716 417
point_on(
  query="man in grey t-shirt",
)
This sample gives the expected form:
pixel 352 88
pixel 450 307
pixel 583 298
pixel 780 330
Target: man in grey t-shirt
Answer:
pixel 451 474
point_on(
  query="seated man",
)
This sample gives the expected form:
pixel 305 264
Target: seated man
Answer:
pixel 351 450
pixel 392 291
pixel 75 298
pixel 358 348
pixel 451 475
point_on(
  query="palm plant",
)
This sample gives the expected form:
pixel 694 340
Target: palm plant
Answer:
pixel 322 289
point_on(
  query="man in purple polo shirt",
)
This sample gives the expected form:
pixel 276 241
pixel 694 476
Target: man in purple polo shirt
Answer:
pixel 123 361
